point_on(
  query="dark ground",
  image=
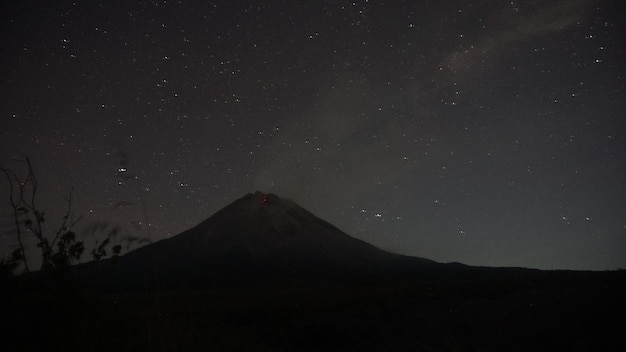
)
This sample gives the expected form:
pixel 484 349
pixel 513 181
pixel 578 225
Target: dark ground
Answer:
pixel 472 309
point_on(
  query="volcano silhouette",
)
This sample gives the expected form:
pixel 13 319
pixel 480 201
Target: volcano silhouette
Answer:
pixel 257 236
pixel 264 274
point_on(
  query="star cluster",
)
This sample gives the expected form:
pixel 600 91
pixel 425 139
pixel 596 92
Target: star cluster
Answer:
pixel 489 133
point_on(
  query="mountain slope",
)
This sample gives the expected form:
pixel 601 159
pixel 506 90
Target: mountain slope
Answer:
pixel 258 236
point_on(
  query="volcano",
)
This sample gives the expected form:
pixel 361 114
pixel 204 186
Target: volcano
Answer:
pixel 258 236
pixel 264 274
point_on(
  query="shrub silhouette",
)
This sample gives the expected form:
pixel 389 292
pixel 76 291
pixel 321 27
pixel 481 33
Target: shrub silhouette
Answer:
pixel 58 251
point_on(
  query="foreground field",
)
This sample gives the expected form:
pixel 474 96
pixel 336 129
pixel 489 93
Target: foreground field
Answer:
pixel 473 310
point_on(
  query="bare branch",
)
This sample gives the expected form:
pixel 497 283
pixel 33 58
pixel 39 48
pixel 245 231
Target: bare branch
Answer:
pixel 15 205
pixel 66 217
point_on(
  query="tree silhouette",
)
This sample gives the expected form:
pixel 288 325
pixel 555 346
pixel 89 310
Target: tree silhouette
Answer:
pixel 61 249
pixel 58 251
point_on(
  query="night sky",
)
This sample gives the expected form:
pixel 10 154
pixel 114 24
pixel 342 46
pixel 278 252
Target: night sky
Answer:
pixel 483 132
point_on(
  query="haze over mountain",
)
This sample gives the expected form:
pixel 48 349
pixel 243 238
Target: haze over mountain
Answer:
pixel 256 236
